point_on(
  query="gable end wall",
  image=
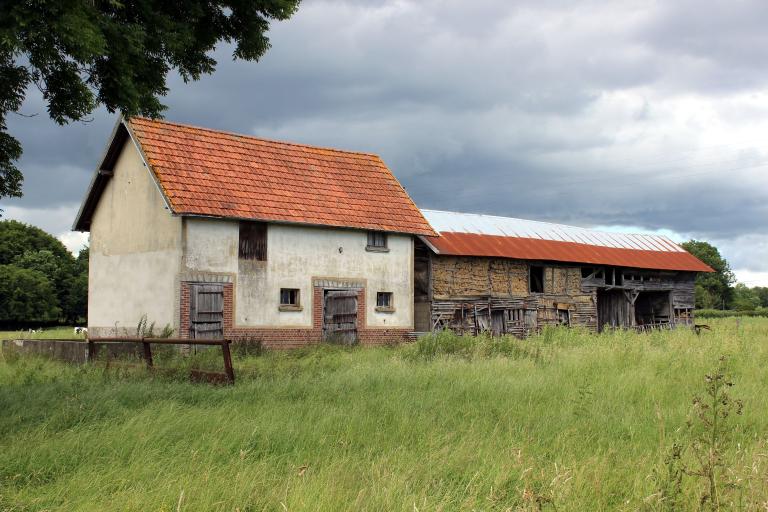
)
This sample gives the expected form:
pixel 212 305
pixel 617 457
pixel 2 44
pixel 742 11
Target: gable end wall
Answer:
pixel 135 252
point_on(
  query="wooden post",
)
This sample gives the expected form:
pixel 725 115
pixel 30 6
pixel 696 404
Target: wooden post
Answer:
pixel 91 350
pixel 228 362
pixel 147 353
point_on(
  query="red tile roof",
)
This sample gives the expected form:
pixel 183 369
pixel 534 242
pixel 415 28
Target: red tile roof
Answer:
pixel 208 172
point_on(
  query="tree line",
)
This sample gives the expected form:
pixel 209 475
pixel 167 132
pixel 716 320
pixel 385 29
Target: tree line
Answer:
pixel 40 280
pixel 719 290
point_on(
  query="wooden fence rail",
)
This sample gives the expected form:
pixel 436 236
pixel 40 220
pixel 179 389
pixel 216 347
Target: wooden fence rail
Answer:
pixel 229 373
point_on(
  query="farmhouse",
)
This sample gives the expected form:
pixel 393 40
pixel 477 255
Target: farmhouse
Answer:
pixel 218 234
pixel 504 275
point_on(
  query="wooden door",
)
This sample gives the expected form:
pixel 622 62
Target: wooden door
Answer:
pixel 206 311
pixel 340 317
pixel 497 322
pixel 531 321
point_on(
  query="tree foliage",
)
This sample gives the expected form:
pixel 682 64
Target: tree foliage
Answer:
pixel 36 264
pixel 117 53
pixel 762 292
pixel 26 295
pixel 744 298
pixel 713 290
pixel 17 238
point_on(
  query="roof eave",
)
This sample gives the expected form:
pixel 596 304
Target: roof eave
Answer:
pixel 430 245
pixel 121 134
pixel 290 223
pixel 100 177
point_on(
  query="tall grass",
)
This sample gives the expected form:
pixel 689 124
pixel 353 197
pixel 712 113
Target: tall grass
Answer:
pixel 563 421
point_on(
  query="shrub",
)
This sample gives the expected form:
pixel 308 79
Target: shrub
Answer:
pixel 718 313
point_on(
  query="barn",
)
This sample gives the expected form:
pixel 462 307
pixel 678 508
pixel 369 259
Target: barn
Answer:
pixel 218 234
pixel 503 275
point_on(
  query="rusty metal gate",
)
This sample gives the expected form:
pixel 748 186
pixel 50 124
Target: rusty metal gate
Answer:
pixel 340 316
pixel 206 311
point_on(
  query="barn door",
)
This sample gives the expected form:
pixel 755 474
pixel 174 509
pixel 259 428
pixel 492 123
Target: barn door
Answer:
pixel 497 322
pixel 206 311
pixel 340 317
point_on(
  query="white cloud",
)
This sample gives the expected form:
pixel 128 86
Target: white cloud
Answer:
pixel 751 278
pixel 74 241
pixel 56 221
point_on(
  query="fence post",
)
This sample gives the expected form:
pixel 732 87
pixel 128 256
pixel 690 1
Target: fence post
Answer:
pixel 147 352
pixel 228 361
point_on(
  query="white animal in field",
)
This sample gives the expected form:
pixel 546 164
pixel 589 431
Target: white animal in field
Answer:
pixel 81 330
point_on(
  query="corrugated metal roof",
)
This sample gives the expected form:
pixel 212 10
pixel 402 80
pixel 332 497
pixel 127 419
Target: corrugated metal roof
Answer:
pixel 469 234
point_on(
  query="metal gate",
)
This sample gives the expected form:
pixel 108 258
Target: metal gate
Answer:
pixel 206 311
pixel 340 317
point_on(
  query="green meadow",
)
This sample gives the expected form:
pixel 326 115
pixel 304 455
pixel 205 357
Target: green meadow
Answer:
pixel 564 421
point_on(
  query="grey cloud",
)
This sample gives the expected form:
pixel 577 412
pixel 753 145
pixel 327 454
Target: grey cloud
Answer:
pixel 560 111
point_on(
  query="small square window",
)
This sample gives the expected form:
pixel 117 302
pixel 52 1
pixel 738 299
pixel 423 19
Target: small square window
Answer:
pixel 384 299
pixel 377 241
pixel 536 279
pixel 289 297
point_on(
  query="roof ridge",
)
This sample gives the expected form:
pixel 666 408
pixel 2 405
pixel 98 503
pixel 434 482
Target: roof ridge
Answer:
pixel 253 137
pixel 662 237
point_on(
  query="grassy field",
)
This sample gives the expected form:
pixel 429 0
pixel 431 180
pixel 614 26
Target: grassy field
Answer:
pixel 564 421
pixel 48 333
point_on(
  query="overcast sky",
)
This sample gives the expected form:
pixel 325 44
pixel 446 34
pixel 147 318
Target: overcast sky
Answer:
pixel 630 115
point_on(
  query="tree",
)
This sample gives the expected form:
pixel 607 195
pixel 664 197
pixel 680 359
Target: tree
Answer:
pixel 60 272
pixel 30 248
pixel 762 292
pixel 26 295
pixel 84 53
pixel 17 238
pixel 713 290
pixel 744 298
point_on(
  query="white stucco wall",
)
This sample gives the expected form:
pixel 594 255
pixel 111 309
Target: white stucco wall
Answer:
pixel 135 251
pixel 296 255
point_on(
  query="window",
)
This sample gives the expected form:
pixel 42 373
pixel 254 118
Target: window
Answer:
pixel 563 317
pixel 289 298
pixel 253 241
pixel 536 279
pixel 377 241
pixel 384 301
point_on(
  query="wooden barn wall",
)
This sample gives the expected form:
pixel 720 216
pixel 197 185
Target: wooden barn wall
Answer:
pixel 477 294
pixel 473 294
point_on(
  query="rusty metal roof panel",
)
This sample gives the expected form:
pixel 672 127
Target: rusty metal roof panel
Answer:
pixel 467 234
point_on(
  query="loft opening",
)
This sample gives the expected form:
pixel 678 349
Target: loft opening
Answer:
pixel 536 279
pixel 253 241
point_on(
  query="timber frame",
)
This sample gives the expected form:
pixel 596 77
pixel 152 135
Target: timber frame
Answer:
pixel 473 295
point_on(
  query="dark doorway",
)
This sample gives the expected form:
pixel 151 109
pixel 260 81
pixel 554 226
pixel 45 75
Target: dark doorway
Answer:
pixel 340 316
pixel 652 308
pixel 206 311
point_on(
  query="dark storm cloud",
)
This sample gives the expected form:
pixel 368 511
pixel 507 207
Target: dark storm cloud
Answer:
pixel 593 113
